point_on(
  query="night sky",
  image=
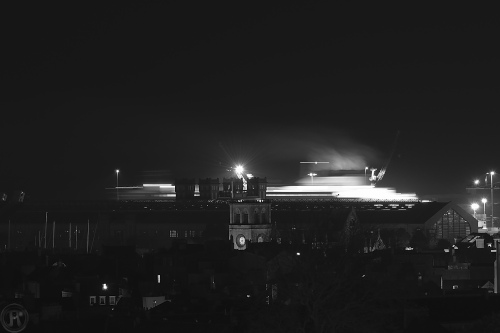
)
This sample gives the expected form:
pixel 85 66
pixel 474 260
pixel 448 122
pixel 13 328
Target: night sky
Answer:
pixel 164 90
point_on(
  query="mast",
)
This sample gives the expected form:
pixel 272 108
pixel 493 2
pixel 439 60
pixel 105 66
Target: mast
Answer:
pixel 53 233
pixel 93 236
pixel 8 241
pixel 45 241
pixel 88 230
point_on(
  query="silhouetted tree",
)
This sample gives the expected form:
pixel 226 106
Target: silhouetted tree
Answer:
pixel 402 238
pixel 419 240
pixel 325 296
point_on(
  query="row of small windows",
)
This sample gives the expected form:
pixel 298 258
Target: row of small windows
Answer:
pixel 111 300
pixel 185 233
pixel 170 233
pixel 259 217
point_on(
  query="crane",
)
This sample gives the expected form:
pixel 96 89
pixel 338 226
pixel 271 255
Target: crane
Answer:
pixel 375 179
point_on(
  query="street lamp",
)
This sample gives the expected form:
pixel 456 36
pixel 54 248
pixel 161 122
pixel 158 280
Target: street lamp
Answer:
pixel 366 168
pixel 474 207
pixel 492 202
pixel 312 174
pixel 484 201
pixel 117 195
pixel 476 182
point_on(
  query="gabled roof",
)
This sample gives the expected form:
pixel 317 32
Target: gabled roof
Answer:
pixel 423 213
pixel 460 211
pixel 420 213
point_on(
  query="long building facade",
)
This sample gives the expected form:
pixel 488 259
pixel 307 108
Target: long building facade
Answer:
pixel 228 210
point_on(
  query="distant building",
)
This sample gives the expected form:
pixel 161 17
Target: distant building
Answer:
pixel 220 210
pixel 249 221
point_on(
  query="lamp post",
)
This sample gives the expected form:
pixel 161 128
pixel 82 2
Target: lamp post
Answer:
pixel 492 205
pixel 117 195
pixel 366 168
pixel 484 201
pixel 312 174
pixel 474 207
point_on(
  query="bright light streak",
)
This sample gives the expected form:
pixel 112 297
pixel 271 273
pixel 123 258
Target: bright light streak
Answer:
pixel 340 191
pixel 158 185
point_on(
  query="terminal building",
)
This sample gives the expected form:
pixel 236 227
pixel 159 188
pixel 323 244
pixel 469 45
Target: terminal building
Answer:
pixel 231 209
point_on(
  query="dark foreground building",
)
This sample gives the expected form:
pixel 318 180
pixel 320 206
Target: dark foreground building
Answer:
pixel 214 259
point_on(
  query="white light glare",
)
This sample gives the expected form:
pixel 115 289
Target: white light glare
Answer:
pixel 239 169
pixel 157 185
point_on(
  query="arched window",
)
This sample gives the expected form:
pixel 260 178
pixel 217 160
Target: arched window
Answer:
pixel 245 216
pixel 256 217
pixel 263 217
pixel 237 217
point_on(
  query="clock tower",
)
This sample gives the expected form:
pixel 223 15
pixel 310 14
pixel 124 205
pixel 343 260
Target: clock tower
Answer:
pixel 250 221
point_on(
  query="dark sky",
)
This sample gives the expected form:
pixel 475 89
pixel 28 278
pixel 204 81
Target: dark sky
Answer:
pixel 166 89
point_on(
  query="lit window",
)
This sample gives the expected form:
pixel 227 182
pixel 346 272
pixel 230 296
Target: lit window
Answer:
pixel 102 300
pixel 112 300
pixel 92 300
pixel 173 233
